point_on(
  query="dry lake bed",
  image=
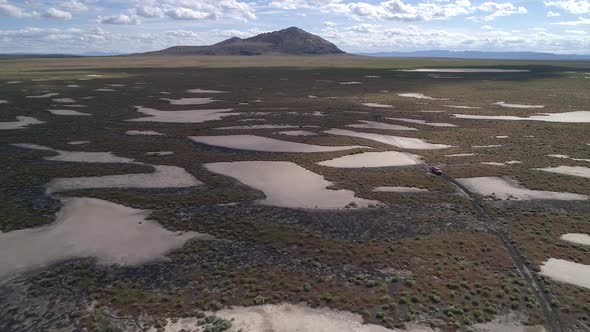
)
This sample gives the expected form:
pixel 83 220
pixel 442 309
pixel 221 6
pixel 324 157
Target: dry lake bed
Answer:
pixel 195 194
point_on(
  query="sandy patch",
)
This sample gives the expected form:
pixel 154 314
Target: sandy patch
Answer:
pixel 64 100
pixel 77 156
pixel 190 101
pixel 568 170
pixel 509 105
pixel 72 86
pixel 3 101
pixel 68 113
pixel 502 136
pixel 511 322
pixel 162 177
pixel 423 122
pixel 463 107
pixel 564 156
pixel 88 227
pixel 312 97
pixel 465 70
pixel 373 76
pixel 13 82
pixel 461 155
pixel 22 122
pixel 204 91
pixel 566 271
pixel 143 132
pixel 296 133
pixel 376 105
pixel 264 126
pixel 577 238
pixel 568 117
pixel 400 142
pixel 47 95
pixel 160 153
pixel 105 90
pixel 400 190
pixel 116 85
pixel 506 189
pixel 487 146
pixel 78 142
pixel 379 125
pixel 259 143
pixel 506 163
pixel 286 184
pixel 350 83
pixel 374 159
pixel 192 116
pixel 77 106
pixel 419 96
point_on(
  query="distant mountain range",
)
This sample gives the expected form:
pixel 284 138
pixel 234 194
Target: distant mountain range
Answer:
pixel 480 55
pixel 291 41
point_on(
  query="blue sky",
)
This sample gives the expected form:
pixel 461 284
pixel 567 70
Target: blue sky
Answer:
pixel 125 26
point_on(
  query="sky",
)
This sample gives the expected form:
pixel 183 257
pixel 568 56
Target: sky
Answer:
pixel 130 26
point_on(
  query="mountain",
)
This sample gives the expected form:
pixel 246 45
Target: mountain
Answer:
pixel 481 55
pixel 291 41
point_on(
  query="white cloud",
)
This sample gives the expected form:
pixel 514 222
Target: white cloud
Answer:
pixel 196 9
pixel 120 19
pixel 6 9
pixel 553 14
pixel 73 6
pixel 500 9
pixel 57 14
pixel 580 21
pixel 571 6
pixel 188 14
pixel 149 12
pixel 486 27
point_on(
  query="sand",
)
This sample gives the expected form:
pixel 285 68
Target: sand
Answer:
pixel 506 189
pixel 419 96
pixel 3 101
pixel 162 177
pixel 375 105
pixel 22 122
pixel 204 91
pixel 568 117
pixel 105 90
pixel 191 116
pixel 68 113
pixel 487 146
pixel 77 156
pixel 88 227
pixel 564 156
pixel 78 142
pixel 374 159
pixel 350 83
pixel 288 318
pixel 509 105
pixel 47 95
pixel 511 322
pixel 259 143
pixel 461 155
pixel 143 132
pixel 296 133
pixel 465 70
pixel 253 127
pixel 566 271
pixel 577 238
pixel 568 170
pixel 400 190
pixel 379 125
pixel 462 107
pixel 400 142
pixel 506 163
pixel 160 153
pixel 423 122
pixel 64 100
pixel 286 184
pixel 190 101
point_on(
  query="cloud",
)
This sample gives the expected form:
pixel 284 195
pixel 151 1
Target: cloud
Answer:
pixel 189 14
pixel 500 9
pixel 120 19
pixel 580 21
pixel 73 6
pixel 6 9
pixel 553 14
pixel 571 6
pixel 57 14
pixel 149 12
pixel 196 10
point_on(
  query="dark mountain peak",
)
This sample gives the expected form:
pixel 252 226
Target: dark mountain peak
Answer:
pixel 290 41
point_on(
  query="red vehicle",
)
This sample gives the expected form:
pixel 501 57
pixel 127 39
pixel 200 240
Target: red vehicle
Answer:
pixel 436 170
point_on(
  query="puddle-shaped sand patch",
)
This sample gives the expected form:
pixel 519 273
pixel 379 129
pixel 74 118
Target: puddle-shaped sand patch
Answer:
pixel 567 117
pixel 286 184
pixel 408 190
pixel 511 322
pixel 190 101
pixel 462 107
pixel 373 76
pixel 564 156
pixel 143 132
pixel 162 177
pixel 507 189
pixel 78 142
pixel 3 101
pixel 565 271
pixel 160 153
pixel 465 70
pixel 423 122
pixel 379 125
pixel 461 155
pixel 254 127
pixel 577 238
pixel 259 143
pixel 419 96
pixel 47 95
pixel 509 105
pixel 506 163
pixel 105 90
pixel 204 91
pixel 68 113
pixel 583 172
pixel 288 318
pixel 491 146
pixel 400 142
pixel 190 116
pixel 78 156
pixel 90 228
pixel 296 133
pixel 64 100
pixel 374 159
pixel 22 122
pixel 376 105
pixel 350 83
